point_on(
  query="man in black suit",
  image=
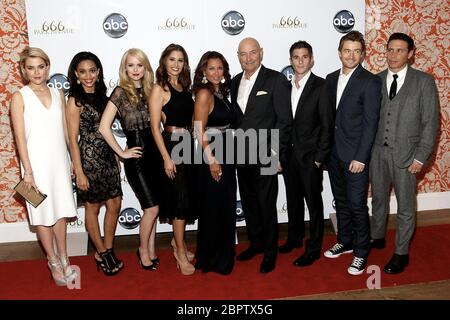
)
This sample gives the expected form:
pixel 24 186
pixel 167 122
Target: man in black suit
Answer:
pixel 356 94
pixel 261 98
pixel 310 145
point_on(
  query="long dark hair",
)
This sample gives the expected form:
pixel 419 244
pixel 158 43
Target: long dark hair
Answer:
pixel 76 89
pixel 224 88
pixel 162 77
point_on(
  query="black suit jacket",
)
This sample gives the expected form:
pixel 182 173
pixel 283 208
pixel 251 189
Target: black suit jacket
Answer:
pixel 312 129
pixel 268 107
pixel 357 114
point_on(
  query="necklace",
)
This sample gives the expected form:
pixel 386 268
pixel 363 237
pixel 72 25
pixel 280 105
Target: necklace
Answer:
pixel 218 94
pixel 139 92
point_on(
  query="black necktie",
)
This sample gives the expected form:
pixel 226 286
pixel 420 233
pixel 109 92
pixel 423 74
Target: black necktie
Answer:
pixel 393 90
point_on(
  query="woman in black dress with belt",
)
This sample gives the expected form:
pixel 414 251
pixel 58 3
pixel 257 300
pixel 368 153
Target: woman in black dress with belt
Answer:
pixel 141 159
pixel 171 102
pixel 216 177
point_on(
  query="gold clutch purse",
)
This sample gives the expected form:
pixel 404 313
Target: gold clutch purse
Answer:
pixel 31 195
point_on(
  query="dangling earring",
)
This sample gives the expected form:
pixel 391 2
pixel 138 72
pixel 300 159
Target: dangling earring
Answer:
pixel 78 81
pixel 204 80
pixel 222 80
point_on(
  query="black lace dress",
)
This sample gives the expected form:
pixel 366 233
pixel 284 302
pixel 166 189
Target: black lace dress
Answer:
pixel 216 201
pixel 143 174
pixel 97 158
pixel 177 194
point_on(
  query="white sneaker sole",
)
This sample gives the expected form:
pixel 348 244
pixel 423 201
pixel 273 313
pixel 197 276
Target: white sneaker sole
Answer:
pixel 328 254
pixel 355 272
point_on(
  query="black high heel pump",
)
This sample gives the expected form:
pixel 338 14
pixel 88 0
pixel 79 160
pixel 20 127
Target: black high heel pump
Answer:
pixel 151 267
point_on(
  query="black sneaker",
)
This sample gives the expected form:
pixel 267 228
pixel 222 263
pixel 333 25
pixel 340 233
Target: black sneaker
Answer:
pixel 336 251
pixel 357 267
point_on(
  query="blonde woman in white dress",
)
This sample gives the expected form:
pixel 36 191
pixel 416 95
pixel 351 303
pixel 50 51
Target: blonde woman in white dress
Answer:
pixel 38 118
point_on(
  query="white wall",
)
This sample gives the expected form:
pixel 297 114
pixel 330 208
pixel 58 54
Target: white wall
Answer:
pixel 64 27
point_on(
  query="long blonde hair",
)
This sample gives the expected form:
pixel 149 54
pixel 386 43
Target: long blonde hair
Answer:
pixel 147 80
pixel 31 52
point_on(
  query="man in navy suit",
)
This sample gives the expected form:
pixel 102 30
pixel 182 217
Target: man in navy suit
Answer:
pixel 310 145
pixel 356 94
pixel 261 98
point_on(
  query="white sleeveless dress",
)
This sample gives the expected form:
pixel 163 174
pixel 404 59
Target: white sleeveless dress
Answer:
pixel 44 132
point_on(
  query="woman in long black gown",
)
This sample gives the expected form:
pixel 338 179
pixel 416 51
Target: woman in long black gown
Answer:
pixel 216 180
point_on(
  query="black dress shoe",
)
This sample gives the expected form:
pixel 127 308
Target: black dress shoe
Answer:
pixel 307 259
pixel 267 265
pixel 397 263
pixel 248 254
pixel 377 243
pixel 288 246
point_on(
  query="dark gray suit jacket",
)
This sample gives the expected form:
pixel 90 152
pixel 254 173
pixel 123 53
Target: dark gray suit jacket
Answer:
pixel 417 121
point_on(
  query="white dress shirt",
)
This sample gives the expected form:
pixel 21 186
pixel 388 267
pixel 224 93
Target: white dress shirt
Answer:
pixel 297 93
pixel 342 83
pixel 245 87
pixel 400 80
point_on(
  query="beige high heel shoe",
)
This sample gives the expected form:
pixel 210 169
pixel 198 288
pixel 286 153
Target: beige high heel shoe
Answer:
pixel 189 255
pixel 68 272
pixel 185 266
pixel 56 270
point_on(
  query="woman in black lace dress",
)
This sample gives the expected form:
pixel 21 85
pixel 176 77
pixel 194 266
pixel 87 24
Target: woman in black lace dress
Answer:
pixel 216 176
pixel 171 102
pixel 141 159
pixel 95 165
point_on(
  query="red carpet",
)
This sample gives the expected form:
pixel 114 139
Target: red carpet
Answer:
pixel 429 261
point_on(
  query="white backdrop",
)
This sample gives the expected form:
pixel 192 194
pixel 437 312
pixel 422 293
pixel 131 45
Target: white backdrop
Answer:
pixel 109 27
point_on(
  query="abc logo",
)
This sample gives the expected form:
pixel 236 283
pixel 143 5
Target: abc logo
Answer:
pixel 233 23
pixel 59 81
pixel 115 25
pixel 344 21
pixel 129 218
pixel 288 71
pixel 239 211
pixel 117 128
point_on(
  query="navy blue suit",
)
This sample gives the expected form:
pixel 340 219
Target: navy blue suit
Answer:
pixel 356 124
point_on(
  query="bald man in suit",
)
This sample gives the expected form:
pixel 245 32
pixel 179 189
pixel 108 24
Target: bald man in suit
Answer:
pixel 261 99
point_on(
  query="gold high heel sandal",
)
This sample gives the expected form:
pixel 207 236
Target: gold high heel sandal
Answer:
pixel 189 255
pixel 185 266
pixel 68 272
pixel 56 271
